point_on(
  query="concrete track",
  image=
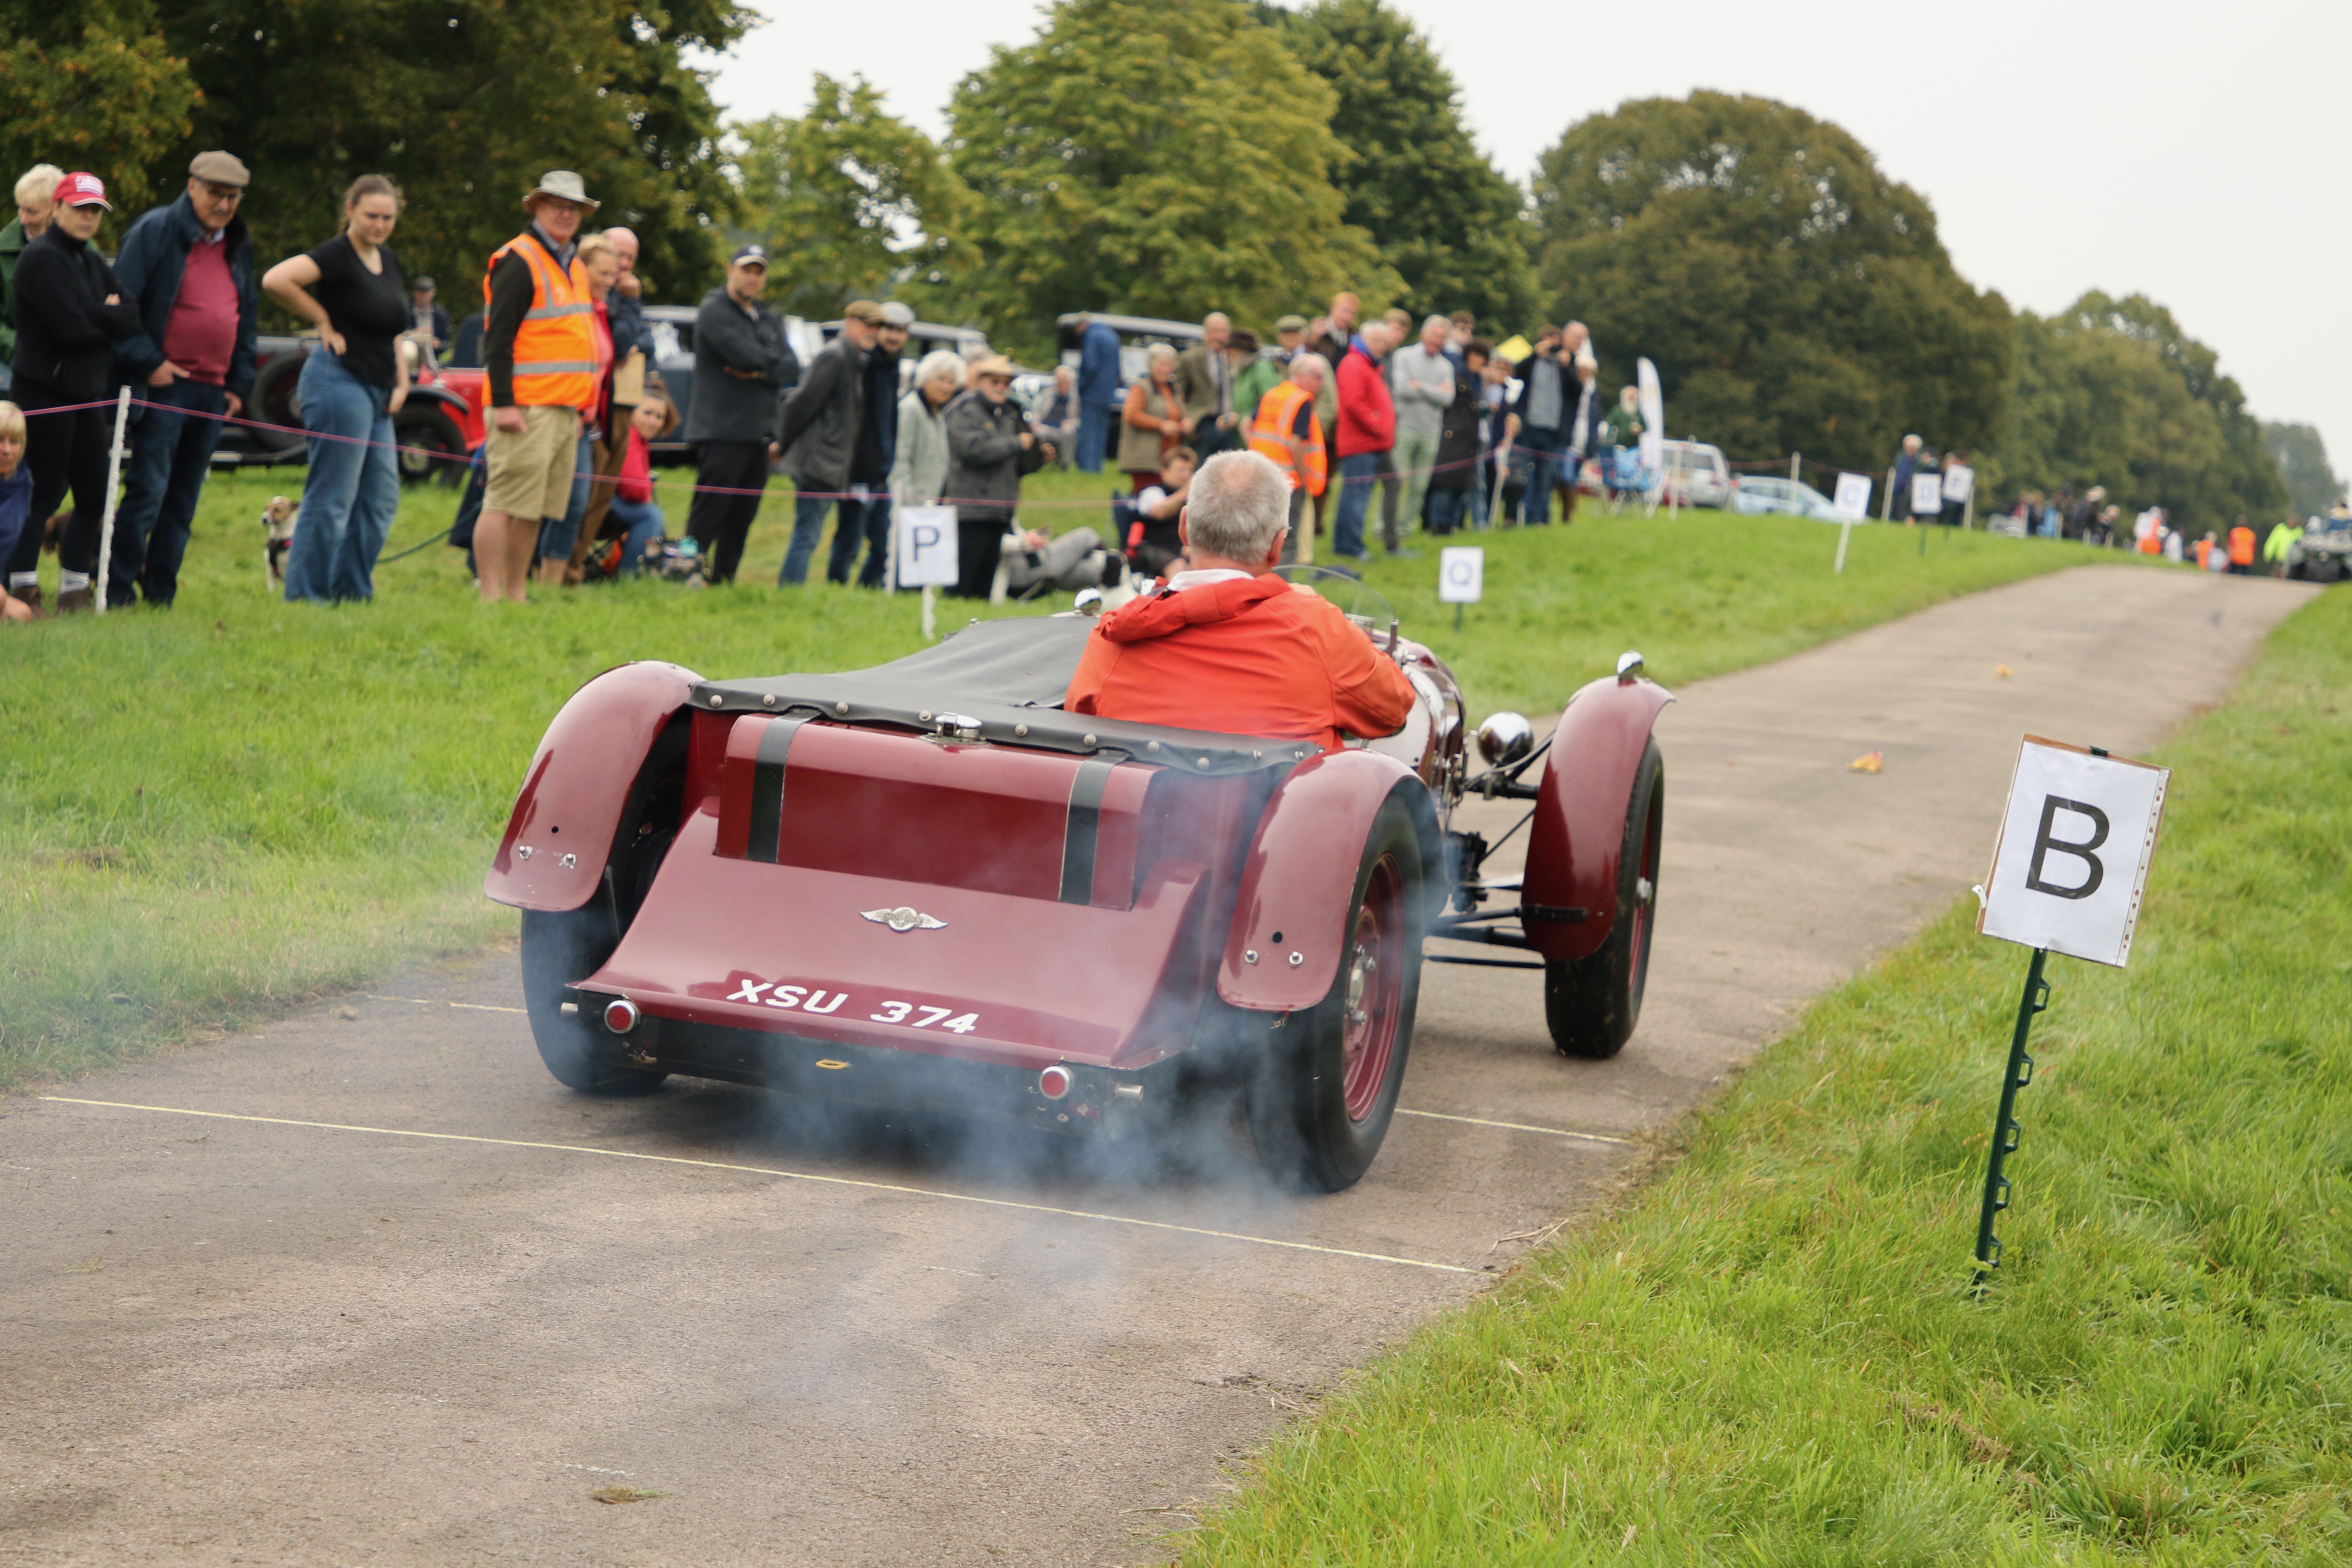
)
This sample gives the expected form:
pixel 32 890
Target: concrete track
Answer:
pixel 399 1298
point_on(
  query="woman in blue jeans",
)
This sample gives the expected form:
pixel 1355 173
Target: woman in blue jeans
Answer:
pixel 350 289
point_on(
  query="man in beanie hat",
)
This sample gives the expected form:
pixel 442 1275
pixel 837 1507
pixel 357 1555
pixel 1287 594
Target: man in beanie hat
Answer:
pixel 187 268
pixel 538 348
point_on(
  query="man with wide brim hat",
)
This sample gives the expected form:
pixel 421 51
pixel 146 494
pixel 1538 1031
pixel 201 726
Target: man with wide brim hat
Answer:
pixel 538 351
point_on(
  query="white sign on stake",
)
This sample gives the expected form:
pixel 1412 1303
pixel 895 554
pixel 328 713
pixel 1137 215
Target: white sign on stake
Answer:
pixel 1461 574
pixel 927 546
pixel 1926 495
pixel 1958 480
pixel 1853 496
pixel 2072 860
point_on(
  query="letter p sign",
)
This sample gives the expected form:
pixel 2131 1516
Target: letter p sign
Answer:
pixel 2073 855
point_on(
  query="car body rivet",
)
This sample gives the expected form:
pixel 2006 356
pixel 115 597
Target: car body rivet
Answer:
pixel 1257 756
pixel 1021 729
pixel 522 851
pixel 717 700
pixel 842 709
pixel 1204 762
pixel 1249 955
pixel 769 701
pixel 925 715
pixel 1150 746
pixel 1087 739
pixel 1297 959
pixel 569 861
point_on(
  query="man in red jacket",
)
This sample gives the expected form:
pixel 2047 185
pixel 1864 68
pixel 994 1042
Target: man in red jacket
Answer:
pixel 1232 648
pixel 1367 431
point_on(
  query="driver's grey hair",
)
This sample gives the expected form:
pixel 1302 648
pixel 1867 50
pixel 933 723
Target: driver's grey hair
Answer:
pixel 1238 506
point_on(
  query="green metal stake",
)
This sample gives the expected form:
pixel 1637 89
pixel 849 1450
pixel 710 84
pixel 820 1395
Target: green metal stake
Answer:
pixel 1458 615
pixel 2004 1127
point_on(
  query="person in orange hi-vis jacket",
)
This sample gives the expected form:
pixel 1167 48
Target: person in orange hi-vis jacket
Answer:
pixel 2241 549
pixel 1230 646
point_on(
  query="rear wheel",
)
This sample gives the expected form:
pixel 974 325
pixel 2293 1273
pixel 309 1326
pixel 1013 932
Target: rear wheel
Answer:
pixel 274 403
pixel 560 948
pixel 1591 1004
pixel 1325 1089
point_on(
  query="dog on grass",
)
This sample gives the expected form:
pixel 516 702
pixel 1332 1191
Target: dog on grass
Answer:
pixel 278 538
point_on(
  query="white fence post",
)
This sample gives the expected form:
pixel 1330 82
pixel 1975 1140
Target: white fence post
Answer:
pixel 106 525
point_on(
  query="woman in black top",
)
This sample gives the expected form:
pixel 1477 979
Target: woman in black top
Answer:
pixel 70 315
pixel 350 289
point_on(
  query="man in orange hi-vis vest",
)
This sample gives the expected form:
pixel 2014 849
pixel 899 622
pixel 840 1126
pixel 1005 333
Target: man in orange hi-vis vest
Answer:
pixel 1287 434
pixel 2241 549
pixel 539 346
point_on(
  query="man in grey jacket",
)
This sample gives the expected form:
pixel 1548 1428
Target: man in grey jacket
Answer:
pixel 822 420
pixel 988 449
pixel 1421 379
pixel 742 365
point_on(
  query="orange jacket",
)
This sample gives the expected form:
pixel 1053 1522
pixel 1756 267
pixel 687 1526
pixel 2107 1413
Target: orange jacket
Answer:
pixel 1270 435
pixel 555 363
pixel 1244 657
pixel 2242 547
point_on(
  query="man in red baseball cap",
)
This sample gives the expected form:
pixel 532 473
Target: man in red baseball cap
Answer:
pixel 69 314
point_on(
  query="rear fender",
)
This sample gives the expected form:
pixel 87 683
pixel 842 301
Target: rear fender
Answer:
pixel 1569 892
pixel 1300 876
pixel 581 779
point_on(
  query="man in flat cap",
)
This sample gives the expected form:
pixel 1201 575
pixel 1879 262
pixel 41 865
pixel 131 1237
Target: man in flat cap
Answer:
pixel 187 268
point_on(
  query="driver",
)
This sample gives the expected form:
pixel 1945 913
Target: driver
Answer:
pixel 1230 646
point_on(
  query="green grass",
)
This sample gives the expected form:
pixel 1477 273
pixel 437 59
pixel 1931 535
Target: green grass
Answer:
pixel 213 812
pixel 1769 1355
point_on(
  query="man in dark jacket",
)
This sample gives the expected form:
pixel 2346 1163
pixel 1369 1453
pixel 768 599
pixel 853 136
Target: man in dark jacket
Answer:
pixel 822 420
pixel 988 451
pixel 869 467
pixel 70 313
pixel 742 365
pixel 188 269
pixel 1098 391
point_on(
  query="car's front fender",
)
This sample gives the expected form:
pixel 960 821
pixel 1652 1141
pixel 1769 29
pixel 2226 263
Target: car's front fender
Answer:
pixel 1281 951
pixel 560 833
pixel 1569 891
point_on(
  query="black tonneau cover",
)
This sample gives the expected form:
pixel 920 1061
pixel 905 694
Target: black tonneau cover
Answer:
pixel 1009 677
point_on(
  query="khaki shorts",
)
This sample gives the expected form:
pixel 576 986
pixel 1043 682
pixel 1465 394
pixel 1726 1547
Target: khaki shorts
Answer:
pixel 531 474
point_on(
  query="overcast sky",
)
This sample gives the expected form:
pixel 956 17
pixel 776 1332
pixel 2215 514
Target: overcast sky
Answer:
pixel 2196 155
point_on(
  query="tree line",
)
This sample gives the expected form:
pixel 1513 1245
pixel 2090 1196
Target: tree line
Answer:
pixel 1167 158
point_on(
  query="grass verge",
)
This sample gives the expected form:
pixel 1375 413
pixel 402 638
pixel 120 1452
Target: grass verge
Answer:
pixel 213 812
pixel 1771 1356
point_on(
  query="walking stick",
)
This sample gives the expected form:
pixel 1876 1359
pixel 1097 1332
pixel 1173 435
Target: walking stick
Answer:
pixel 104 572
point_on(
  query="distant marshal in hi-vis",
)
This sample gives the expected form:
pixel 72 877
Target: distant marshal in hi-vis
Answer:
pixel 2072 859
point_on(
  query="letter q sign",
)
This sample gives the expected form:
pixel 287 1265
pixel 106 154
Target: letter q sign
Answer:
pixel 2072 860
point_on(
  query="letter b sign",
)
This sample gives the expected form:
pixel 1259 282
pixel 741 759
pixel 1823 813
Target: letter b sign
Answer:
pixel 2074 850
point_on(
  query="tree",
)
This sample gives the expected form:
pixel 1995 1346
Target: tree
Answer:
pixel 465 103
pixel 2113 392
pixel 1792 295
pixel 1454 227
pixel 1159 157
pixel 852 203
pixel 2312 486
pixel 92 86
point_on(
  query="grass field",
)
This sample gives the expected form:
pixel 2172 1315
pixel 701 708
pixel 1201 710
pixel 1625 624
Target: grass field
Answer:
pixel 1771 1356
pixel 218 810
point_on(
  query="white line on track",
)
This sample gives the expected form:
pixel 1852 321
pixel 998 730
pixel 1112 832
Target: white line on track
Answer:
pixel 430 1001
pixel 1516 1127
pixel 785 1176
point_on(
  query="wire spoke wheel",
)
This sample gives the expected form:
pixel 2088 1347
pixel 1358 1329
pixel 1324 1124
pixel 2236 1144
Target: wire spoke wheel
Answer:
pixel 1375 994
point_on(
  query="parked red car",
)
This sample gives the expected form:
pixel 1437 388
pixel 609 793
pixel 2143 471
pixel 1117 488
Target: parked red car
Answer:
pixel 925 882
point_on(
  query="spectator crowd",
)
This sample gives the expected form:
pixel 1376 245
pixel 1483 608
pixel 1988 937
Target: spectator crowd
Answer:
pixel 1431 422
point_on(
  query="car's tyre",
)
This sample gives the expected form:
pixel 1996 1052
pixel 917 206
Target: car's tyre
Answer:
pixel 274 403
pixel 561 948
pixel 557 948
pixel 1322 1094
pixel 1591 1004
pixel 432 448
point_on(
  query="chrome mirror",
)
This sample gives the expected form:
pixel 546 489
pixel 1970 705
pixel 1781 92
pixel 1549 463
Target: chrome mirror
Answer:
pixel 1506 738
pixel 1629 665
pixel 1089 602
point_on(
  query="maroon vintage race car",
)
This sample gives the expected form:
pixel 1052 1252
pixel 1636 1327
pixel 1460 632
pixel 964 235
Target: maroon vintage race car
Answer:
pixel 925 883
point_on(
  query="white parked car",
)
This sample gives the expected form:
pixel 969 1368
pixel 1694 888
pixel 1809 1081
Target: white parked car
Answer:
pixel 1695 474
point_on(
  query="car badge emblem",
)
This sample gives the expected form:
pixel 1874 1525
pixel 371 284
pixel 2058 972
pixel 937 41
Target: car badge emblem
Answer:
pixel 903 919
